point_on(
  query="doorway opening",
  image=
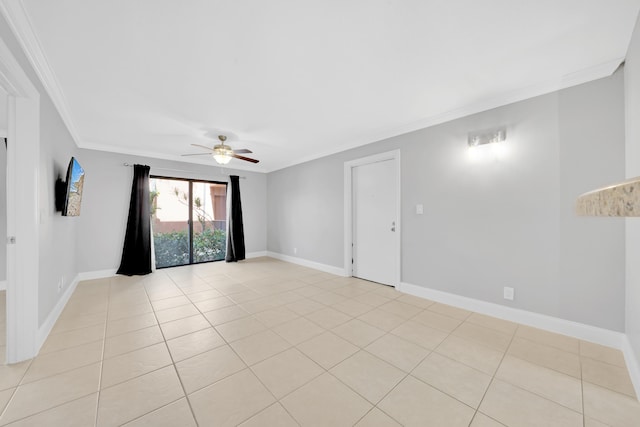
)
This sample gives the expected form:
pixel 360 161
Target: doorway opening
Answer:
pixel 189 220
pixel 372 229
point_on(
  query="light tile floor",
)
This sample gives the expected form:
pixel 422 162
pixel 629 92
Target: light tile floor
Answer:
pixel 267 343
pixel 3 326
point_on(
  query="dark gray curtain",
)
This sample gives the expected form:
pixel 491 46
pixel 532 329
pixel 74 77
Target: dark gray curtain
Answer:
pixel 136 253
pixel 235 233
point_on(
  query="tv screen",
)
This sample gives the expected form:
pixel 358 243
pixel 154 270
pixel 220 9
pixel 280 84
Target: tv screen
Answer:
pixel 75 182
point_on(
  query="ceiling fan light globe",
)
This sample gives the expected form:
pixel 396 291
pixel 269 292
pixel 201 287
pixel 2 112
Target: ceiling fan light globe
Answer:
pixel 222 159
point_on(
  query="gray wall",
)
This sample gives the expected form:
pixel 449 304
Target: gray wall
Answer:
pixel 305 211
pixel 632 102
pixel 488 224
pixel 592 252
pixel 105 203
pixel 57 234
pixel 3 208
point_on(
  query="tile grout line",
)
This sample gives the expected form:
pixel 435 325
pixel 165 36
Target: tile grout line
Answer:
pixel 519 358
pixel 602 361
pixel 547 367
pixel 20 383
pixel 157 324
pixel 268 328
pixel 399 382
pixel 374 405
pixel 48 409
pixel 539 395
pixel 53 407
pixel 505 351
pixel 173 363
pixel 104 344
pixel 103 349
pixel 539 366
pixel 293 346
pixel 249 367
pixel 529 391
pixel 493 376
pixel 433 351
pixel 15 390
pixel 584 416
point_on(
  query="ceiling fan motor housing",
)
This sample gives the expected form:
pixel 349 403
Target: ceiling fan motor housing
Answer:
pixel 222 150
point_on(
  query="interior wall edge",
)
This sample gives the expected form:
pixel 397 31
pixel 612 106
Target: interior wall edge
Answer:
pixel 631 360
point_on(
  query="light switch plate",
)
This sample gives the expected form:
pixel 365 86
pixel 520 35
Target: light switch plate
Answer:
pixel 419 209
pixel 508 293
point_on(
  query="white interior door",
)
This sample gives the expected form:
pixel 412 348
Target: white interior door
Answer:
pixel 375 222
pixel 23 254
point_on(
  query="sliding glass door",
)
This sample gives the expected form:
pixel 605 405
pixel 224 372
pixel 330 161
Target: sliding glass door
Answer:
pixel 188 219
pixel 209 212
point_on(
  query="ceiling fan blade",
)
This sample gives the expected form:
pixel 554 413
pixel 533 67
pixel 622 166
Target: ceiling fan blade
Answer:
pixel 242 151
pixel 202 146
pixel 196 154
pixel 244 158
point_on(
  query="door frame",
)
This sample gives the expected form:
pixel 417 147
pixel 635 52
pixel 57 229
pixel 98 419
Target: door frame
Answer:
pixel 23 211
pixel 393 155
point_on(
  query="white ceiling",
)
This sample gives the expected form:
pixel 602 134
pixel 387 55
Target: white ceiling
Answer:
pixel 294 80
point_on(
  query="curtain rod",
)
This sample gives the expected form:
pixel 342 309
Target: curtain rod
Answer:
pixel 180 170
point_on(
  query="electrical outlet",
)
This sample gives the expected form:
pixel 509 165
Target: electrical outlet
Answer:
pixel 295 251
pixel 508 293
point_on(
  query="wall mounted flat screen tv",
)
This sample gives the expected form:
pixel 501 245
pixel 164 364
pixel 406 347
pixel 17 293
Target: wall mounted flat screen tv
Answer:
pixel 75 182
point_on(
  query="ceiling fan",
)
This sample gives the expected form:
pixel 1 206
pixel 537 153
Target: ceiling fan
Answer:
pixel 223 153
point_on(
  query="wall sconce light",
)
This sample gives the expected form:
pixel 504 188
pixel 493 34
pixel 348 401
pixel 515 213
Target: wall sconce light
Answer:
pixel 485 145
pixel 487 137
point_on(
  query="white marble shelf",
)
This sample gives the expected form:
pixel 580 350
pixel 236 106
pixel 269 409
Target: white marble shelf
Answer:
pixel 622 199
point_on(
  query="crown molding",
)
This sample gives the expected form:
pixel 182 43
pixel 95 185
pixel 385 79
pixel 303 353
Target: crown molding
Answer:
pixel 12 77
pixel 16 16
pixel 584 76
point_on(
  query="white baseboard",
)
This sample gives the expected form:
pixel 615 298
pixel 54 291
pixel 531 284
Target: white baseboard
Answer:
pixel 606 337
pixel 338 271
pixel 47 326
pixel 259 254
pixel 98 274
pixel 3 285
pixel 633 366
pixel 553 324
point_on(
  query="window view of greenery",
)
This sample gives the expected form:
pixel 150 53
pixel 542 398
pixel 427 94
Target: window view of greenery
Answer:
pixel 209 221
pixel 170 221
